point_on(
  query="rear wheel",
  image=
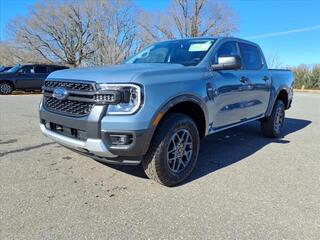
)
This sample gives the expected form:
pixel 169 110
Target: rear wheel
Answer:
pixel 5 88
pixel 173 151
pixel 271 126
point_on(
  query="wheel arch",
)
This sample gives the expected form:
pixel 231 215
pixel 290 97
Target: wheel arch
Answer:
pixel 8 81
pixel 284 96
pixel 187 104
pixel 281 94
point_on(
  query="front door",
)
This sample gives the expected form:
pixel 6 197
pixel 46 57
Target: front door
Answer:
pixel 25 78
pixel 31 77
pixel 231 92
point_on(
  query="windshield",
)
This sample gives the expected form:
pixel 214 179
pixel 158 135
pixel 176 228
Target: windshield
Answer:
pixel 14 69
pixel 187 52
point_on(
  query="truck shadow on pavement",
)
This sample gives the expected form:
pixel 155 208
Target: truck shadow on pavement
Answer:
pixel 228 147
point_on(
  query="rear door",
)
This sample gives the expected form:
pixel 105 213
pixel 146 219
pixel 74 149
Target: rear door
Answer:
pixel 255 72
pixel 40 74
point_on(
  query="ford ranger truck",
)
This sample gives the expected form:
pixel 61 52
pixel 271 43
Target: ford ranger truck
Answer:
pixel 154 108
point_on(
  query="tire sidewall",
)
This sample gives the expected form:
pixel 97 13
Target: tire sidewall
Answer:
pixel 184 123
pixel 278 107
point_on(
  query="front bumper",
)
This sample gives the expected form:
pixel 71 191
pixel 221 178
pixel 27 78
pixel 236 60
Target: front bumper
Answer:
pixel 93 146
pixel 95 143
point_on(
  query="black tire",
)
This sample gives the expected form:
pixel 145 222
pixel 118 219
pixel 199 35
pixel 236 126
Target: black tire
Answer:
pixel 157 164
pixel 6 88
pixel 271 126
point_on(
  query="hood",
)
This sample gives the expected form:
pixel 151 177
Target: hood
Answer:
pixel 6 74
pixel 112 74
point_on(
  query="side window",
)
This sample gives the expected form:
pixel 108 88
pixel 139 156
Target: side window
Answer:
pixel 55 68
pixel 51 69
pixel 226 49
pixel 27 69
pixel 251 57
pixel 40 69
pixel 59 68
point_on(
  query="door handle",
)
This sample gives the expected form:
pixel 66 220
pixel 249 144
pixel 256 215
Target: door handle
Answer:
pixel 244 79
pixel 265 78
pixel 210 91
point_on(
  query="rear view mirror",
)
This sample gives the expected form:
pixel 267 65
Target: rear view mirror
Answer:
pixel 227 63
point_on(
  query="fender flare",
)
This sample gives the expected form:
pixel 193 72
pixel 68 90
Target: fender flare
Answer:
pixel 186 97
pixel 273 98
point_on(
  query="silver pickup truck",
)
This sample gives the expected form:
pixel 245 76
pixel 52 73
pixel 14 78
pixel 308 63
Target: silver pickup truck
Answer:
pixel 154 109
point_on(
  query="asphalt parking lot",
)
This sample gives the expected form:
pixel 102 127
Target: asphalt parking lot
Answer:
pixel 244 186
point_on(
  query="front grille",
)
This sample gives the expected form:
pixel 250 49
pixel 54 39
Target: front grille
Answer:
pixel 69 107
pixel 77 86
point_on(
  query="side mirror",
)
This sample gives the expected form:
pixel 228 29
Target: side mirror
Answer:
pixel 227 63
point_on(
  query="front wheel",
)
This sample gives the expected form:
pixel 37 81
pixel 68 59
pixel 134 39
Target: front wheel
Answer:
pixel 173 151
pixel 5 88
pixel 271 126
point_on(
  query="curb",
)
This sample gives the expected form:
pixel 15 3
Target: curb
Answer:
pixel 307 90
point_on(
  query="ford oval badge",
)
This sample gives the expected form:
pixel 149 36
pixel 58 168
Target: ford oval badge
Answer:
pixel 60 93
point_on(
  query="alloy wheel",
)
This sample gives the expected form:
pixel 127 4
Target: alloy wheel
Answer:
pixel 180 149
pixel 5 88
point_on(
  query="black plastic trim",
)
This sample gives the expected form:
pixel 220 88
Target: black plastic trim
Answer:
pixel 90 123
pixel 139 146
pixel 121 160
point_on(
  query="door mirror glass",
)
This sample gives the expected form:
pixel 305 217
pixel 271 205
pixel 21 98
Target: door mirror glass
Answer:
pixel 227 63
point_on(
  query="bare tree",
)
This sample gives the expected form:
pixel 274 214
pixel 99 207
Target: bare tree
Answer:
pixel 116 32
pixel 97 32
pixel 188 18
pixel 275 62
pixel 83 32
pixel 11 54
pixel 57 32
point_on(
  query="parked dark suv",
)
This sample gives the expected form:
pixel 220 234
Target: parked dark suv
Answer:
pixel 26 77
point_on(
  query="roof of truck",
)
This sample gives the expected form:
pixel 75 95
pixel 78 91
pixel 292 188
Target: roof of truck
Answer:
pixel 212 38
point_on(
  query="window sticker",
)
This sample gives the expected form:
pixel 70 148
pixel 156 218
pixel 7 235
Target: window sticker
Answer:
pixel 200 47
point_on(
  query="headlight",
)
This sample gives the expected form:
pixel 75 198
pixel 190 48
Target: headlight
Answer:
pixel 131 98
